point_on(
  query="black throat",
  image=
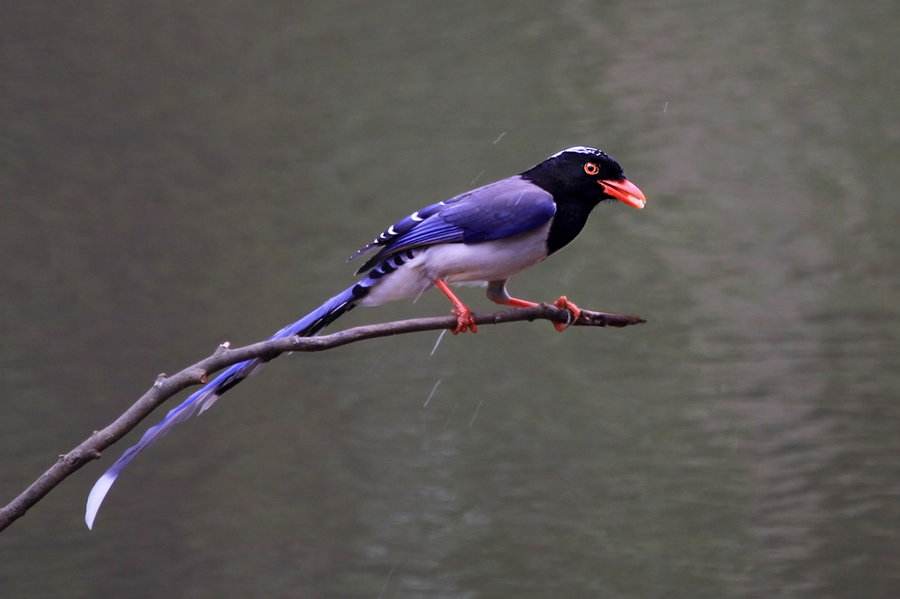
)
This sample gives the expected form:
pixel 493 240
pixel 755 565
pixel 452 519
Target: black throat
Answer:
pixel 568 222
pixel 573 205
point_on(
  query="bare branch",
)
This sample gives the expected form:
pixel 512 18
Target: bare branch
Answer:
pixel 166 386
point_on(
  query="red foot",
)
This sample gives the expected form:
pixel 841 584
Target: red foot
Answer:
pixel 564 303
pixel 465 321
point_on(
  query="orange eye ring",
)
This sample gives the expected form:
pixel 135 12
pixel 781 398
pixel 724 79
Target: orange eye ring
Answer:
pixel 591 169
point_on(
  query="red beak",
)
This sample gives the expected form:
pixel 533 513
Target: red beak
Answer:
pixel 625 191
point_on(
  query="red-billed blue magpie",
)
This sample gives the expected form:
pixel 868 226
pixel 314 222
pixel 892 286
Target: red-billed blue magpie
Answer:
pixel 485 235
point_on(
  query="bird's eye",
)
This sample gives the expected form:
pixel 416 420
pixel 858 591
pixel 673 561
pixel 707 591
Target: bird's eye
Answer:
pixel 591 168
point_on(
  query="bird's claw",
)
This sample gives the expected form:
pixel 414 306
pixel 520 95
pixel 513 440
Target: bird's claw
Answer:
pixel 465 321
pixel 563 303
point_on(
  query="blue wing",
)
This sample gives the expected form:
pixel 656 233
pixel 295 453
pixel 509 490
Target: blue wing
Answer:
pixel 501 209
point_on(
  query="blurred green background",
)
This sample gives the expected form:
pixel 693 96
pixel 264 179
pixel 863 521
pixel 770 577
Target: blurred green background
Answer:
pixel 176 174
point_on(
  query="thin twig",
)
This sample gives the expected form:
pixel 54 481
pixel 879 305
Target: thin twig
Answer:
pixel 166 386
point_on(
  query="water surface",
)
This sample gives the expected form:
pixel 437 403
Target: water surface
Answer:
pixel 172 176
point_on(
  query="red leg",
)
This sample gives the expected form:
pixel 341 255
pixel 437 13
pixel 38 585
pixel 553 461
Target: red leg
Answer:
pixel 465 321
pixel 562 302
pixel 516 302
pixel 497 293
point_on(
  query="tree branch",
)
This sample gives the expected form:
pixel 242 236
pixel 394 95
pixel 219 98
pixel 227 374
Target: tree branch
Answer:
pixel 167 386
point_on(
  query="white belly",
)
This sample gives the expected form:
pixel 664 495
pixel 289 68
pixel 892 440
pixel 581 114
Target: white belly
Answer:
pixel 460 262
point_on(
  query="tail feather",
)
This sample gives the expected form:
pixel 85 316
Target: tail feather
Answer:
pixel 202 399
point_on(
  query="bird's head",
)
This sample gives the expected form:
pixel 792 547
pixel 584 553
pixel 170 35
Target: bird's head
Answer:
pixel 586 175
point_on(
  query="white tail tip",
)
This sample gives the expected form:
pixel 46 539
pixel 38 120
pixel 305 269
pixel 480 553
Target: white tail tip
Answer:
pixel 96 496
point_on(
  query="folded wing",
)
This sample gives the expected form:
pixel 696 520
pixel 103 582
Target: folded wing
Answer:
pixel 502 209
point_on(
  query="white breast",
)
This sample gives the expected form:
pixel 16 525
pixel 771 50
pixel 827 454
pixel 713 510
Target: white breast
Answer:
pixel 460 262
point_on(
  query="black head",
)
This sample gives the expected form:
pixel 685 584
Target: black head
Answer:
pixel 585 175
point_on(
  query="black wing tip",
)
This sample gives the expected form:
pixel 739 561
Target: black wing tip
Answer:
pixel 369 264
pixel 361 251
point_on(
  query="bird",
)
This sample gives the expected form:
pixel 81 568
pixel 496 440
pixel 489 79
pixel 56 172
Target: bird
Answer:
pixel 485 235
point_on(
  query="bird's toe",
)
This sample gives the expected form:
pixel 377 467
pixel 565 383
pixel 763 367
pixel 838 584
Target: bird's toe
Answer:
pixel 574 311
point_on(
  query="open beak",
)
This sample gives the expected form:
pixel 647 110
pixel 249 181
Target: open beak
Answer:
pixel 625 191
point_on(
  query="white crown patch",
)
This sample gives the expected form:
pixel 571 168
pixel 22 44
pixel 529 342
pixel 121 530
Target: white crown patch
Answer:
pixel 581 150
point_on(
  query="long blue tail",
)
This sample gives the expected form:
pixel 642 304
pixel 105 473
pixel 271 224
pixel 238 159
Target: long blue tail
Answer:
pixel 206 396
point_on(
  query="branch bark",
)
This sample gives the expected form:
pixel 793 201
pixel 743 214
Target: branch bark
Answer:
pixel 166 386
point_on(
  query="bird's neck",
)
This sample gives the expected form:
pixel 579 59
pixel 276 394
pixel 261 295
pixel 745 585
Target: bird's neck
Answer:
pixel 568 222
pixel 573 205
